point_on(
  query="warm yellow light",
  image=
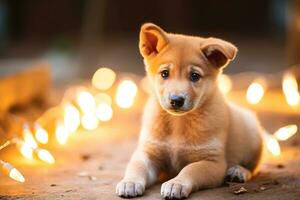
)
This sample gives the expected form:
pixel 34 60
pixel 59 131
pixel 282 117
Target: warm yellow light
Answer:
pixel 224 83
pixel 86 101
pixel 126 93
pixel 286 132
pixel 26 150
pixel 104 112
pixel 61 133
pixel 103 78
pixel 89 121
pixel 45 156
pixel 273 145
pixel 103 98
pixel 16 175
pixel 41 134
pixel 290 89
pixel 71 118
pixel 28 138
pixel 255 93
pixel 12 172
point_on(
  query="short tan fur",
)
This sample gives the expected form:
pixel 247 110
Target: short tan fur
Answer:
pixel 189 129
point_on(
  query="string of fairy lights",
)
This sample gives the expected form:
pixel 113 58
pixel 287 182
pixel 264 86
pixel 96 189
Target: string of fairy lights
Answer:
pixel 255 93
pixel 80 108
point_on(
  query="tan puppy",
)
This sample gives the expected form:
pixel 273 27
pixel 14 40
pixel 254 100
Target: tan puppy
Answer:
pixel 189 130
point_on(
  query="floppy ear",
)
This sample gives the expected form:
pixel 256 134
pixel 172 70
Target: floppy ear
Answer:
pixel 152 39
pixel 218 52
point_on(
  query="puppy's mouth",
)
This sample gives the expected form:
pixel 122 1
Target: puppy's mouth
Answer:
pixel 177 112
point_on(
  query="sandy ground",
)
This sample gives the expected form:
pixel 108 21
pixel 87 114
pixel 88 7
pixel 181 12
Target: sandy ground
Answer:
pixel 91 163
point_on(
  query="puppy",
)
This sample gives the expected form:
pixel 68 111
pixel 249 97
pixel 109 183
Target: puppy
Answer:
pixel 189 130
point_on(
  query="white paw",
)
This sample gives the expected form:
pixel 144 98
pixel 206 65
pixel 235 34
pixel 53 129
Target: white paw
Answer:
pixel 129 189
pixel 175 189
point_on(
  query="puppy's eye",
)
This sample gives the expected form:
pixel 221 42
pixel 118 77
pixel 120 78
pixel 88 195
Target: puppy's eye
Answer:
pixel 195 76
pixel 164 74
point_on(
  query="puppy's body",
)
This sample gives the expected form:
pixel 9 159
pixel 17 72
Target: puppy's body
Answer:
pixel 189 130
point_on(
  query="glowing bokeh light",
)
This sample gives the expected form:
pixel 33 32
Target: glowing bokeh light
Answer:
pixel 255 93
pixel 104 112
pixel 126 93
pixel 71 118
pixel 28 138
pixel 290 89
pixel 103 78
pixel 16 175
pixel 89 121
pixel 61 133
pixel 286 132
pixel 41 134
pixel 26 150
pixel 103 98
pixel 273 145
pixel 45 156
pixel 86 101
pixel 13 173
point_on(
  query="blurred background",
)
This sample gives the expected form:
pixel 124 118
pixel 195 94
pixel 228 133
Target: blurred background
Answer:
pixel 78 36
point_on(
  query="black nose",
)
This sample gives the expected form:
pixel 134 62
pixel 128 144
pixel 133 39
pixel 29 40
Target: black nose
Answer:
pixel 176 101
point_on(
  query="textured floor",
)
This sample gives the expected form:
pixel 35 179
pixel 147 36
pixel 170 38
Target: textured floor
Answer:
pixel 91 163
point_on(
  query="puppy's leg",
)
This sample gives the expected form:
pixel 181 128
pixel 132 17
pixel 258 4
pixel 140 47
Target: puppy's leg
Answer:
pixel 202 174
pixel 237 174
pixel 140 172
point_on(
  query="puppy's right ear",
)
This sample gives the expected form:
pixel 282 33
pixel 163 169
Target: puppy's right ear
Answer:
pixel 152 40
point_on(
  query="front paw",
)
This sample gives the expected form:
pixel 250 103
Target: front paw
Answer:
pixel 175 189
pixel 237 174
pixel 129 189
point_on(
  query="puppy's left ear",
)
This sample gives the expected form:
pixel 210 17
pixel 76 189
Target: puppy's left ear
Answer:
pixel 218 52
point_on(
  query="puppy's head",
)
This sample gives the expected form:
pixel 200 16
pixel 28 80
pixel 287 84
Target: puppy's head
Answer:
pixel 182 69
